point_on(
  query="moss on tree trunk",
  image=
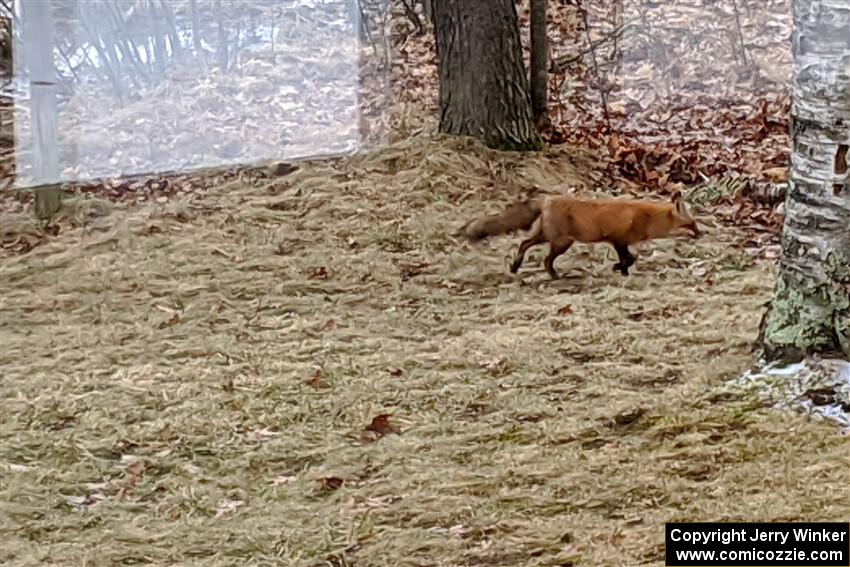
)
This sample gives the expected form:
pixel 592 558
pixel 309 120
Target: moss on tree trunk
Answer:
pixel 802 321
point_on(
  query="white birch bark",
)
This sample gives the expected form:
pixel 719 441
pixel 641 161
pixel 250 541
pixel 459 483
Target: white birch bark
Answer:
pixel 810 311
pixel 44 114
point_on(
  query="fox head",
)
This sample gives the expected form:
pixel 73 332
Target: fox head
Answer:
pixel 683 222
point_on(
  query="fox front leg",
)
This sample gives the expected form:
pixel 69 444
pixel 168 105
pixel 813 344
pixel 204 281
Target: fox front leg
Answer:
pixel 626 259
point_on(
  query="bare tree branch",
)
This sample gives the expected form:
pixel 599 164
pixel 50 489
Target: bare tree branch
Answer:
pixel 601 87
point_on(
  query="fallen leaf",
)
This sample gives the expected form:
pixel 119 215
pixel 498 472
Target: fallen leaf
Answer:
pixel 776 174
pixel 699 269
pixel 331 483
pixel 613 144
pixel 381 425
pixel 191 469
pixel 317 381
pixel 80 502
pixel 173 320
pixel 227 506
pixel 381 502
pixel 263 434
pixel 457 531
pixel 629 416
pixel 411 270
pixel 167 434
pixel 319 273
pixel 135 471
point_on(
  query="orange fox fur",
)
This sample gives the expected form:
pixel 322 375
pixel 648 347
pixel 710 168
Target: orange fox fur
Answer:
pixel 563 220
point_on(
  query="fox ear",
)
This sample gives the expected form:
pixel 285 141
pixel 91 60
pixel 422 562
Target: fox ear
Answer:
pixel 679 202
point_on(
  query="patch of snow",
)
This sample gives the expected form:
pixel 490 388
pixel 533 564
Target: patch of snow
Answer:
pixel 795 385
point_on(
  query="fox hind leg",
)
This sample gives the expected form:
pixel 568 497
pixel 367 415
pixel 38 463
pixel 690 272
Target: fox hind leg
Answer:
pixel 555 250
pixel 626 259
pixel 533 240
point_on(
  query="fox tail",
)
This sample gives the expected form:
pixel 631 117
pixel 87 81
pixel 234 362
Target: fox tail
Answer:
pixel 520 215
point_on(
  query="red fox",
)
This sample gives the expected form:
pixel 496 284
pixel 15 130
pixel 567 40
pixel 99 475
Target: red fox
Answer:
pixel 562 220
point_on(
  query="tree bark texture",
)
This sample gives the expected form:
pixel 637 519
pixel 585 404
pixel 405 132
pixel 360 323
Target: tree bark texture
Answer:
pixel 539 63
pixel 5 45
pixel 810 311
pixel 427 8
pixel 483 83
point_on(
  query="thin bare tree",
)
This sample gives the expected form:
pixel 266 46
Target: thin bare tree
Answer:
pixel 539 63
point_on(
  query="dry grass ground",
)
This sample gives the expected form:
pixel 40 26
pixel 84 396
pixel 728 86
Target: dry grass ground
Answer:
pixel 190 383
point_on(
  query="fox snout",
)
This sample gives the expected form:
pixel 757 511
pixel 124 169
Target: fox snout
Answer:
pixel 690 230
pixel 694 230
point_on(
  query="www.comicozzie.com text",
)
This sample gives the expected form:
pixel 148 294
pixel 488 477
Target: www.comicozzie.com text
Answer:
pixel 748 555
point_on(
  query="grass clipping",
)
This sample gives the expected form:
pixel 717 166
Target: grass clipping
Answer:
pixel 310 370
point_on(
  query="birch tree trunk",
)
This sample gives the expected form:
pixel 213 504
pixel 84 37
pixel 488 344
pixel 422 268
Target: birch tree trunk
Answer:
pixel 483 82
pixel 810 311
pixel 44 114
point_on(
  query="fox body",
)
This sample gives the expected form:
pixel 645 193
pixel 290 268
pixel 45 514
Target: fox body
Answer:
pixel 562 221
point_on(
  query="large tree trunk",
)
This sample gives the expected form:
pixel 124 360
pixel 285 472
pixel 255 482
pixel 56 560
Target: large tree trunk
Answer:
pixel 539 63
pixel 483 84
pixel 810 311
